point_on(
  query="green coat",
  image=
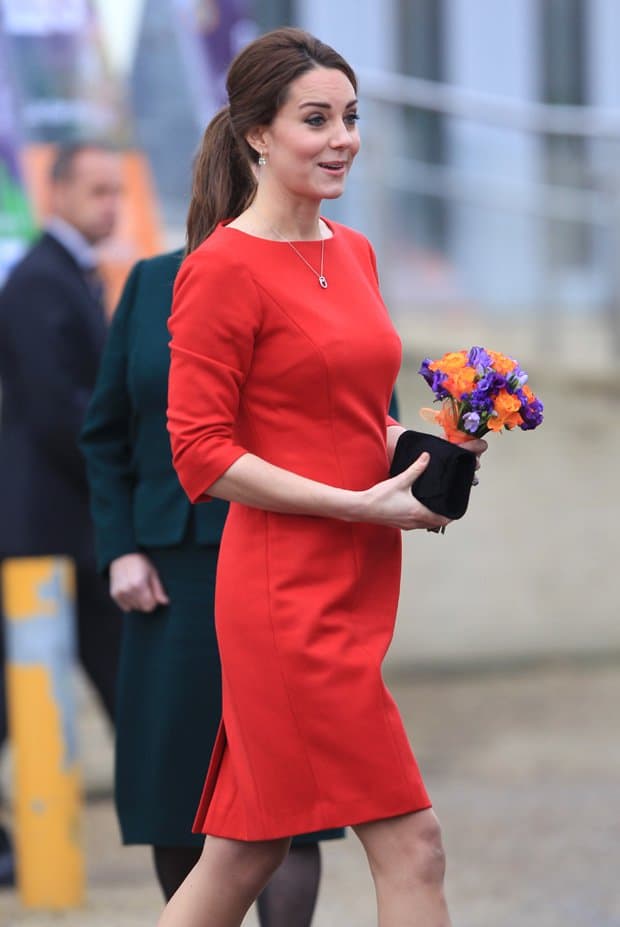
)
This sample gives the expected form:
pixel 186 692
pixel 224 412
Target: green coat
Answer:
pixel 136 499
pixel 169 685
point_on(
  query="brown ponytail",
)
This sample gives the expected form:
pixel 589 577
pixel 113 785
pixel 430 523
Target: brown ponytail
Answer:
pixel 223 183
pixel 258 80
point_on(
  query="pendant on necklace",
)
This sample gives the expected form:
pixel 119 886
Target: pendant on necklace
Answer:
pixel 323 281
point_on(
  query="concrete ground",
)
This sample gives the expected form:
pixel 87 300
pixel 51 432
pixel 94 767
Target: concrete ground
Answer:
pixel 523 766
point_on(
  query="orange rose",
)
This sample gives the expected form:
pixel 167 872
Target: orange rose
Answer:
pixel 529 395
pixel 449 363
pixel 514 420
pixel 461 381
pixel 507 407
pixel 495 424
pixel 506 403
pixel 501 363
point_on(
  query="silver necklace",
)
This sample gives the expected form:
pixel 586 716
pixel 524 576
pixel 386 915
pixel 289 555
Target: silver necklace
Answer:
pixel 317 273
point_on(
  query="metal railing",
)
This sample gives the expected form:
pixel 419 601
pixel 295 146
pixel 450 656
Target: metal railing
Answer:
pixel 552 207
pixel 504 112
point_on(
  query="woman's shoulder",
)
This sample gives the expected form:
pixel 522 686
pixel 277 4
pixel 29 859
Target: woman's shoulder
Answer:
pixel 346 232
pixel 220 274
pixel 357 243
pixel 223 248
pixel 350 237
pixel 225 255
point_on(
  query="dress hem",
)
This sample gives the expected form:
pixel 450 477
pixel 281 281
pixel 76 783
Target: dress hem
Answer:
pixel 195 839
pixel 316 824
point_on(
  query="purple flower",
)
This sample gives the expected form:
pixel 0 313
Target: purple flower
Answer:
pixel 479 359
pixel 516 380
pixel 434 378
pixel 520 376
pixel 532 415
pixel 425 372
pixel 480 402
pixel 438 388
pixel 471 422
pixel 490 384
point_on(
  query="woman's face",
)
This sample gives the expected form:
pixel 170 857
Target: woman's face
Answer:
pixel 311 143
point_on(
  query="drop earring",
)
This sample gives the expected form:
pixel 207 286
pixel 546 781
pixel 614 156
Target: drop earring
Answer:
pixel 262 160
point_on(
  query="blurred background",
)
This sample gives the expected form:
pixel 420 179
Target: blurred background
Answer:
pixel 489 184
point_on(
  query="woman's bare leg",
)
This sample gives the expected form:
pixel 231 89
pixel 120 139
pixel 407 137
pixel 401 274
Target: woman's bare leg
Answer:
pixel 407 862
pixel 223 883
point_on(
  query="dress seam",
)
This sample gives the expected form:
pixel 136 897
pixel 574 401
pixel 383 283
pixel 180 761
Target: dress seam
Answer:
pixel 277 649
pixel 321 355
pixel 246 753
pixel 381 683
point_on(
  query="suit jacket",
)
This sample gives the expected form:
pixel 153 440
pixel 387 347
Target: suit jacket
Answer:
pixel 136 499
pixel 52 332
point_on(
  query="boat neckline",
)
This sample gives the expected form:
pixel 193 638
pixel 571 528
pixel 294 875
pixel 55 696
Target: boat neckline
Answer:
pixel 283 241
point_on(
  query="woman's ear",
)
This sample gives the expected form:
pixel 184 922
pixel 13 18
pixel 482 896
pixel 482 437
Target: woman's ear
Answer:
pixel 256 140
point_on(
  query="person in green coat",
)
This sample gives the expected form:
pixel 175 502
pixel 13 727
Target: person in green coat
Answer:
pixel 160 555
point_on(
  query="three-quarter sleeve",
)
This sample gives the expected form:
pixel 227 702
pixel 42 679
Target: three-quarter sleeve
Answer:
pixel 214 323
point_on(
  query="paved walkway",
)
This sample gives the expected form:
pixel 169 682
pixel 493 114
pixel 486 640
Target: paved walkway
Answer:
pixel 523 768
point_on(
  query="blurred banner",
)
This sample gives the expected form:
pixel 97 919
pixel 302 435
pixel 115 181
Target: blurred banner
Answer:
pixel 66 92
pixel 16 227
pixel 178 83
pixel 56 56
pixel 211 32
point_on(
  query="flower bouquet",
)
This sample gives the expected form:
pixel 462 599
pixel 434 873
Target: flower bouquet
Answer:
pixel 480 391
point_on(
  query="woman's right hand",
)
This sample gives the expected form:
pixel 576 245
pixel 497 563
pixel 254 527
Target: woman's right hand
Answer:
pixel 391 502
pixel 135 584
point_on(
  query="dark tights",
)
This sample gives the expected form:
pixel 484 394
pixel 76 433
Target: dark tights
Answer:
pixel 172 865
pixel 287 901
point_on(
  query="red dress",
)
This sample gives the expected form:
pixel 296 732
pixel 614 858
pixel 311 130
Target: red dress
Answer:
pixel 264 360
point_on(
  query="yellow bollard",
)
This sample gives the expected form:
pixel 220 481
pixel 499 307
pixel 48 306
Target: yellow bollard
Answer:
pixel 38 605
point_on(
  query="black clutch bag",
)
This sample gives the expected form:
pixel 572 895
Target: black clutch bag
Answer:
pixel 445 485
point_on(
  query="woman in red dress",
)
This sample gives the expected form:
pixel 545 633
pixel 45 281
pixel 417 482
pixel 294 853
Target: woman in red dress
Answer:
pixel 283 364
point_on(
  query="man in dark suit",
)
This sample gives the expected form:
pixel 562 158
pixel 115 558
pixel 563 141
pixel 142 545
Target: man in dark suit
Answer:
pixel 52 331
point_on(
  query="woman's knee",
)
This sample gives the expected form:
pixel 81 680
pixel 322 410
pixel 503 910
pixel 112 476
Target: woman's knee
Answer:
pixel 251 864
pixel 428 853
pixel 406 848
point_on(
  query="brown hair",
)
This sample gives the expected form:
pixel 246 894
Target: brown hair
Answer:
pixel 257 84
pixel 66 154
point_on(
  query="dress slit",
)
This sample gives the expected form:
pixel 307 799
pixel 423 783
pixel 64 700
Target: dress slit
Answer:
pixel 212 775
